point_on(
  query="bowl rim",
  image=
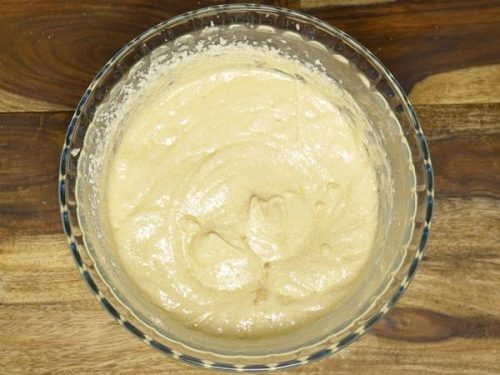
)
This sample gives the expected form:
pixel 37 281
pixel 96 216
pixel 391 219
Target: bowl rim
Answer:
pixel 70 225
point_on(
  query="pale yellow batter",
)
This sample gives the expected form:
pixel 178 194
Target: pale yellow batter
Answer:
pixel 242 199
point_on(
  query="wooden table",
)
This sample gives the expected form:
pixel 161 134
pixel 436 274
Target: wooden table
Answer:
pixel 446 54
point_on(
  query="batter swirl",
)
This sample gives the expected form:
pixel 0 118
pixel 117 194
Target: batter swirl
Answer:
pixel 241 197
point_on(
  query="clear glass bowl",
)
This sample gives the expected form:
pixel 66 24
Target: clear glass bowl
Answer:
pixel 407 219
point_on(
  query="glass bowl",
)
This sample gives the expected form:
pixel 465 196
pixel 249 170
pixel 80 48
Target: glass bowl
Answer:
pixel 401 241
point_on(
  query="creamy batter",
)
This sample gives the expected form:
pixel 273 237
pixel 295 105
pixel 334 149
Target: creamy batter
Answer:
pixel 241 197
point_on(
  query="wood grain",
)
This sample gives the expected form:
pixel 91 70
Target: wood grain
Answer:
pixel 30 146
pixel 459 171
pixel 479 84
pixel 442 121
pixel 419 39
pixel 63 348
pixel 10 102
pixel 308 4
pixel 50 50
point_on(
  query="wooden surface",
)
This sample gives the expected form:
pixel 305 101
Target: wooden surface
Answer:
pixel 446 54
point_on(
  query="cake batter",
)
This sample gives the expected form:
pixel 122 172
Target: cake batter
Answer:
pixel 241 197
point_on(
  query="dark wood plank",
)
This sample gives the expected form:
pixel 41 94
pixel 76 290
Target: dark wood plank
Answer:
pixel 50 50
pixel 467 165
pixel 30 146
pixel 416 39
